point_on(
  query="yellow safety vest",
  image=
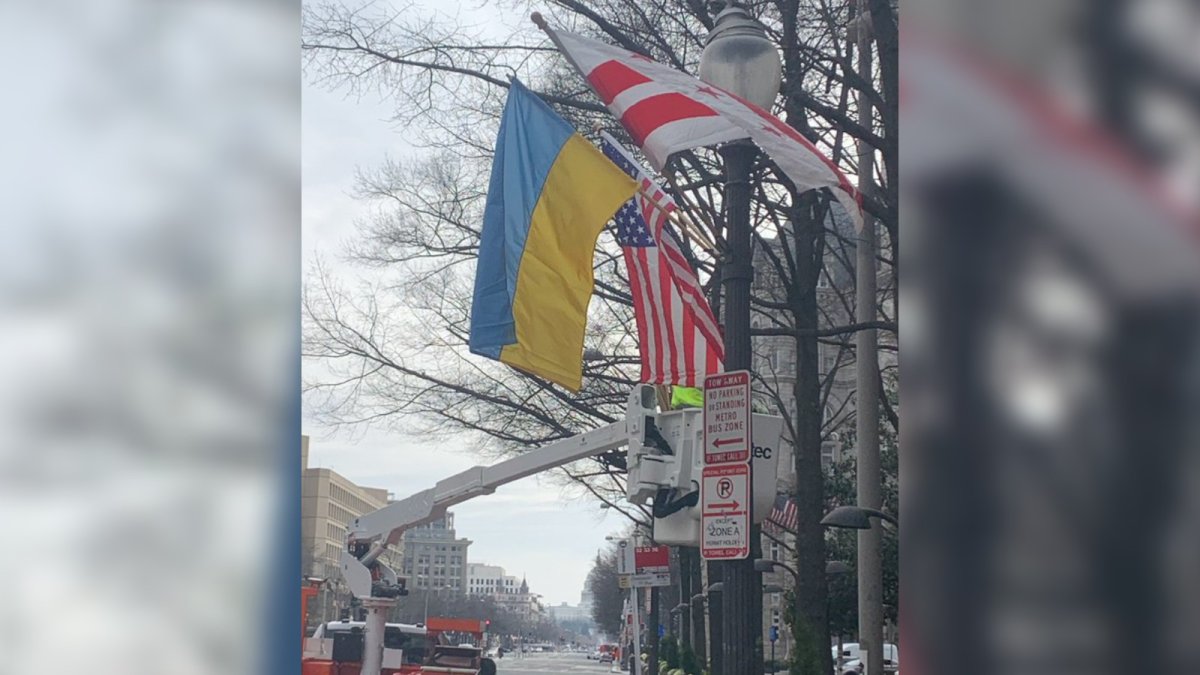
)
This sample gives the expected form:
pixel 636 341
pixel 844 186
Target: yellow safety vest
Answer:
pixel 687 397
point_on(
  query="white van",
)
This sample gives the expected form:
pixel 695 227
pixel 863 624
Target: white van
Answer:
pixel 853 659
pixel 403 644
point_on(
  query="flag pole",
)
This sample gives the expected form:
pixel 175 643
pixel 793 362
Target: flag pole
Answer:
pixel 664 396
pixel 686 206
pixel 681 221
pixel 540 22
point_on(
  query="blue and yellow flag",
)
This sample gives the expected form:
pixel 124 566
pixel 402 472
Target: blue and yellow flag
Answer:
pixel 551 193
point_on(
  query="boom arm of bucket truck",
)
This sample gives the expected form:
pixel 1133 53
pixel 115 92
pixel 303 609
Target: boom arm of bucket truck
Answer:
pixel 369 535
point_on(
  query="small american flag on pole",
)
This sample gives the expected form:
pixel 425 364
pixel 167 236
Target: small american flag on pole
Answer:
pixel 677 333
pixel 783 517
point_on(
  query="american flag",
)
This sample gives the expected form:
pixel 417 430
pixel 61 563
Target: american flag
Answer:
pixel 678 335
pixel 783 517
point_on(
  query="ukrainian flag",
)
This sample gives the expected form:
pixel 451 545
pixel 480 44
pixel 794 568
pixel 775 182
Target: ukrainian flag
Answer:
pixel 550 194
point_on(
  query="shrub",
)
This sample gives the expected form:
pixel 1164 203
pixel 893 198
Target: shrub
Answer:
pixel 668 651
pixel 688 662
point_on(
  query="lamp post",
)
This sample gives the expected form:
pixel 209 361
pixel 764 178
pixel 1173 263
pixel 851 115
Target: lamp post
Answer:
pixel 834 568
pixel 681 628
pixel 771 589
pixel 764 565
pixel 739 58
pixel 870 584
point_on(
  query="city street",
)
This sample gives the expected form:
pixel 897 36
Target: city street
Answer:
pixel 551 662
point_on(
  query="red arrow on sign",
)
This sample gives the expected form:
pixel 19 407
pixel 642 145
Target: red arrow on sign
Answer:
pixel 727 441
pixel 725 505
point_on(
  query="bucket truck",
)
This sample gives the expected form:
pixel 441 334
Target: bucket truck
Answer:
pixel 661 465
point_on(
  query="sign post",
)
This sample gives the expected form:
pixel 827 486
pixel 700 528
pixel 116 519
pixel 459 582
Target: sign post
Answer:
pixel 774 636
pixel 636 667
pixel 725 495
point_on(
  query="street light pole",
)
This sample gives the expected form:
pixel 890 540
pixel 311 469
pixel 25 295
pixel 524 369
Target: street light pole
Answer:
pixel 869 474
pixel 738 57
pixel 742 599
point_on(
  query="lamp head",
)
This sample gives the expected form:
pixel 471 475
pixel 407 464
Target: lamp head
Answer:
pixel 738 57
pixel 836 567
pixel 849 517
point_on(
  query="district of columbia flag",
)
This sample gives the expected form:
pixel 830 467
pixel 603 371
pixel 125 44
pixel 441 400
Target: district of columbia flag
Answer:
pixel 678 336
pixel 666 111
pixel 551 193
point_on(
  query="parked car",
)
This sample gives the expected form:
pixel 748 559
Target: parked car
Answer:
pixel 854 660
pixel 606 657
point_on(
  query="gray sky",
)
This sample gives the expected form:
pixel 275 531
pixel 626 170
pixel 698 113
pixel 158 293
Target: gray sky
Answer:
pixel 531 527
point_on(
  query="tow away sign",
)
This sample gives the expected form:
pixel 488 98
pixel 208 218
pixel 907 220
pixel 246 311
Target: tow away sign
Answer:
pixel 725 512
pixel 727 418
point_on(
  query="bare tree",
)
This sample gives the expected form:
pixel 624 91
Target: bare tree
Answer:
pixel 395 352
pixel 607 597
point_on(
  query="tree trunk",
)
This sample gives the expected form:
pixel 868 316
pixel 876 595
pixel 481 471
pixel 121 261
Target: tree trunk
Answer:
pixel 811 648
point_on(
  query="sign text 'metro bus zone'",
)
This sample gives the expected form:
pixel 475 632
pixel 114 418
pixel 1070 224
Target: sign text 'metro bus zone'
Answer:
pixel 727 418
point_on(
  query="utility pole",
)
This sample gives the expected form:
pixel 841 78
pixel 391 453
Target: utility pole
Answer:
pixel 869 475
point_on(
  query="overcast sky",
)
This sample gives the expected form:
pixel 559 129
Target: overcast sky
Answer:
pixel 531 527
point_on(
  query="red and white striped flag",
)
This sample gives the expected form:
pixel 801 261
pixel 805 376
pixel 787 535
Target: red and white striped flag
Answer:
pixel 677 333
pixel 666 111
